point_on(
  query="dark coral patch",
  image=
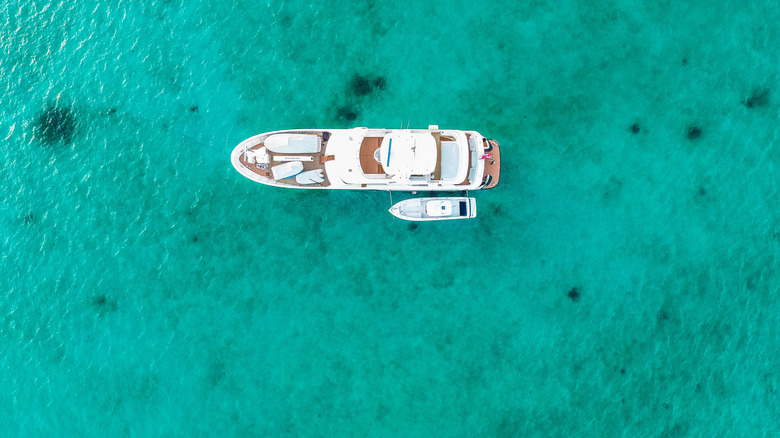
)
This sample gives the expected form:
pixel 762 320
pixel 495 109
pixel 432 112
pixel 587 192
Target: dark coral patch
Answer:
pixel 635 128
pixel 693 133
pixel 574 294
pixel 496 209
pixel 759 98
pixel 702 191
pixel 103 304
pixel 55 124
pixel 285 21
pixel 194 108
pixel 346 112
pixel 111 110
pixel 361 85
pixel 29 218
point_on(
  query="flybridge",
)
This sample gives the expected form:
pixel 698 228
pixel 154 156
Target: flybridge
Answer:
pixel 414 154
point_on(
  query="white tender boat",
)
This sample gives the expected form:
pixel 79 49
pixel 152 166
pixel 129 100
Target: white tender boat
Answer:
pixel 371 159
pixel 435 209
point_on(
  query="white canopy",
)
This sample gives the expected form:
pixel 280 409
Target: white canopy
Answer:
pixel 404 153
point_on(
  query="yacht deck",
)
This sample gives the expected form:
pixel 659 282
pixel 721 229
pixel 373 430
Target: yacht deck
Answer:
pixel 493 164
pixel 310 162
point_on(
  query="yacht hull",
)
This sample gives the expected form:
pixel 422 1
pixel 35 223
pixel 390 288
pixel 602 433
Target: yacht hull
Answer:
pixel 370 159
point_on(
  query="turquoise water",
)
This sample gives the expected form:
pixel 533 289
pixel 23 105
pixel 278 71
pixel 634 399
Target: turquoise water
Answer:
pixel 620 281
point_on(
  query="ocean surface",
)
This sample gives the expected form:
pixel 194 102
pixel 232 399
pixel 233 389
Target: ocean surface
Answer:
pixel 621 281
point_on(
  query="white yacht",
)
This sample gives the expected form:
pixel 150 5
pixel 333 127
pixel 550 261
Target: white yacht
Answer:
pixel 371 159
pixel 435 209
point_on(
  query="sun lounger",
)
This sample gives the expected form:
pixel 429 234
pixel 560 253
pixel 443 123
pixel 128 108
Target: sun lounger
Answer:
pixel 310 177
pixel 286 170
